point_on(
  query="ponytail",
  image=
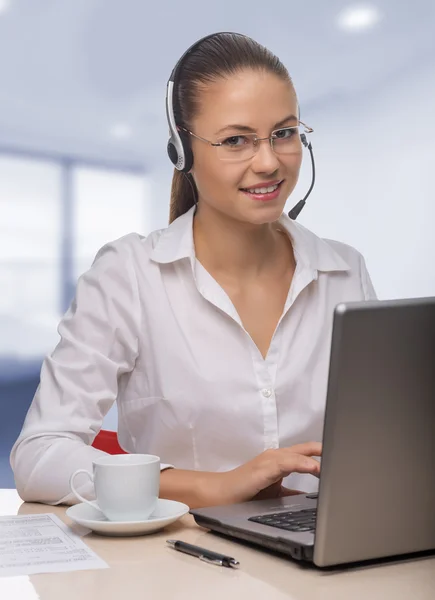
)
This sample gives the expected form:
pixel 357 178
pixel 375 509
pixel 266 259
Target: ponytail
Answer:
pixel 183 195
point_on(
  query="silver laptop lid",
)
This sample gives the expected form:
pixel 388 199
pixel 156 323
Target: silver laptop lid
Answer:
pixel 377 486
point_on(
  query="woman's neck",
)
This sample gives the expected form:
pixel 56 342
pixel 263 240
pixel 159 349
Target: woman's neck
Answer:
pixel 237 249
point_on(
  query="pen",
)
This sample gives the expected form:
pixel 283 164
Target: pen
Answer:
pixel 214 558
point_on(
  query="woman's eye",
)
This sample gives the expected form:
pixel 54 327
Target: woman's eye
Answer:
pixel 284 133
pixel 235 140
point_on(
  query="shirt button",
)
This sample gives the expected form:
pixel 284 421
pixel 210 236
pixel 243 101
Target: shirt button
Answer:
pixel 267 393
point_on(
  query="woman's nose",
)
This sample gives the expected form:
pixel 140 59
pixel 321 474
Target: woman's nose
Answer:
pixel 265 159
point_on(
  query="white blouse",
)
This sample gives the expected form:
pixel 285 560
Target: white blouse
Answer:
pixel 151 329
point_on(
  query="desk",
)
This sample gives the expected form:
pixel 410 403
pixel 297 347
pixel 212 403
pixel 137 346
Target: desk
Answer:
pixel 143 567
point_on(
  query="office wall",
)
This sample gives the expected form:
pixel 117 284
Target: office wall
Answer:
pixel 375 182
pixel 83 136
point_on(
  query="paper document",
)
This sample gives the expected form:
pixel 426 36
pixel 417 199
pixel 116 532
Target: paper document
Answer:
pixel 42 544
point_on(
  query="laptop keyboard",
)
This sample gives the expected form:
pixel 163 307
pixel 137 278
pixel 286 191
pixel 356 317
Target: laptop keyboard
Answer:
pixel 300 520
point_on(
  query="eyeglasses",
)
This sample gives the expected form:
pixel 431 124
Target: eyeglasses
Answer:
pixel 240 147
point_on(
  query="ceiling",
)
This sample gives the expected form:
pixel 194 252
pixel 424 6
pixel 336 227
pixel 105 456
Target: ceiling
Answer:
pixel 87 77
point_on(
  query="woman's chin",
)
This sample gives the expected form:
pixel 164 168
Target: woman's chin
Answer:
pixel 267 214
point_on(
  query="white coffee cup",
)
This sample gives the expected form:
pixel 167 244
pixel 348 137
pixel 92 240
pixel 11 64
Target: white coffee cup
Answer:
pixel 126 485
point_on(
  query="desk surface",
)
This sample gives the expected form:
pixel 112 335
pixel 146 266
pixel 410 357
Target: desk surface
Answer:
pixel 143 567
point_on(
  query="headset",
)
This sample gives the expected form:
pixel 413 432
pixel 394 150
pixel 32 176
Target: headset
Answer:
pixel 179 144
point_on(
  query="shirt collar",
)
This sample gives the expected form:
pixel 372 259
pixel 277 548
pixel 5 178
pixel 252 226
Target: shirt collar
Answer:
pixel 311 250
pixel 176 243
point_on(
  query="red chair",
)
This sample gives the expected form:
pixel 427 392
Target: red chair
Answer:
pixel 108 442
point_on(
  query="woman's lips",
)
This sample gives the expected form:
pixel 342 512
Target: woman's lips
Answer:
pixel 263 193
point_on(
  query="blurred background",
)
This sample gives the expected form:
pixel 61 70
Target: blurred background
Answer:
pixel 83 144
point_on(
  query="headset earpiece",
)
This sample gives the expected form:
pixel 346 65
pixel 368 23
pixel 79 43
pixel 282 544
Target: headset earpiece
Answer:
pixel 172 152
pixel 180 151
pixel 187 151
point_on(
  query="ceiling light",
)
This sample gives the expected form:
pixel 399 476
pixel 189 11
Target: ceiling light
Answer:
pixel 120 131
pixel 358 17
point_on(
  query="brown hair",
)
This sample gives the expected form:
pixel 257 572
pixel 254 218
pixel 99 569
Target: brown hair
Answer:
pixel 218 56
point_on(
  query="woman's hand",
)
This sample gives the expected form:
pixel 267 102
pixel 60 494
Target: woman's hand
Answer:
pixel 257 479
pixel 262 476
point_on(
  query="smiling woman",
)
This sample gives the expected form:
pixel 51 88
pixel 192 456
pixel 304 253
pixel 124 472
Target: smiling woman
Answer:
pixel 223 90
pixel 212 335
pixel 262 99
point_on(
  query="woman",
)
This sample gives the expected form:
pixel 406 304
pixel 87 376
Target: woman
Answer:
pixel 212 335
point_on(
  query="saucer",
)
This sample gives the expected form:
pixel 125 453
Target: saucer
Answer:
pixel 165 513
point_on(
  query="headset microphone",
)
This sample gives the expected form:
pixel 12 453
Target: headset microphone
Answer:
pixel 293 214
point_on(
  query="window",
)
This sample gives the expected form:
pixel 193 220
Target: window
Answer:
pixel 30 237
pixel 107 205
pixel 55 217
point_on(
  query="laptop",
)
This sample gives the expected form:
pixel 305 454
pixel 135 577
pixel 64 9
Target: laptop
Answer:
pixel 376 495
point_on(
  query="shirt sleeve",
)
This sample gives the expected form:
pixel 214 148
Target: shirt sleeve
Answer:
pixel 79 380
pixel 366 282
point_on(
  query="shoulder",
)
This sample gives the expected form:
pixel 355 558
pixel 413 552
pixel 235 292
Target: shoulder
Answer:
pixel 118 262
pixel 348 253
pixel 115 272
pixel 128 248
pixel 331 257
pixel 357 266
pixel 320 253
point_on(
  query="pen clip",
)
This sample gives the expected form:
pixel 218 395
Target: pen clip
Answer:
pixel 231 562
pixel 212 561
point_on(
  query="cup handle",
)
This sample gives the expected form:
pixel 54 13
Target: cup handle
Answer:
pixel 75 492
